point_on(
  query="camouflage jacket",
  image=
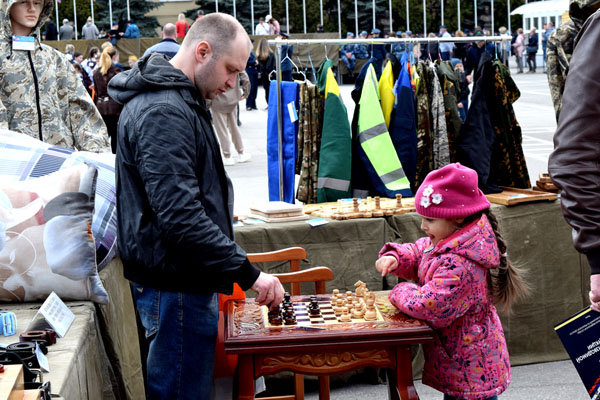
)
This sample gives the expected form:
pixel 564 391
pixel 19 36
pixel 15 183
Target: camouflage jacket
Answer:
pixel 42 83
pixel 560 48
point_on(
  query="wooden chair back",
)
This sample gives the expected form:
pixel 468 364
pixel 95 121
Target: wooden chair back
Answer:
pixel 292 254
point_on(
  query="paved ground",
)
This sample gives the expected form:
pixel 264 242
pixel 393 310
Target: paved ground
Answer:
pixel 557 380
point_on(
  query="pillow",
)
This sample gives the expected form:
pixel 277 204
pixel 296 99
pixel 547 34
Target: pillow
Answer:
pixel 46 240
pixel 23 157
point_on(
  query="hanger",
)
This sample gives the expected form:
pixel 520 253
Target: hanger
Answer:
pixel 311 66
pixel 326 57
pixel 300 71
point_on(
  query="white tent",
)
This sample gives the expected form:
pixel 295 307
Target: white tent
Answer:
pixel 538 13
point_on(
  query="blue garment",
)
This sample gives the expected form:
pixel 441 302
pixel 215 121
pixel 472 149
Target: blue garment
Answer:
pixel 168 47
pixel 286 62
pixel 289 94
pixel 403 125
pixel 132 32
pixel 398 49
pixel 181 330
pixel 361 51
pixel 379 52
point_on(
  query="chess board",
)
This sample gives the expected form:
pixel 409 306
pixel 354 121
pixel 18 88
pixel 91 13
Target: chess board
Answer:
pixel 303 318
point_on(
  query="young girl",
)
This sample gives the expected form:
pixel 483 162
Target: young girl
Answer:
pixel 461 271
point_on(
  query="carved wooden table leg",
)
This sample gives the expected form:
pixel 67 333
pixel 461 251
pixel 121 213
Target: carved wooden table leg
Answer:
pixel 245 377
pixel 404 374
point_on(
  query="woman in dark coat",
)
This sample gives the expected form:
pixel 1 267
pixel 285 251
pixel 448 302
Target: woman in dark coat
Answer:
pixel 109 109
pixel 266 61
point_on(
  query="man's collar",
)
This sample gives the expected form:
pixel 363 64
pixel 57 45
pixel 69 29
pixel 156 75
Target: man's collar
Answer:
pixel 169 40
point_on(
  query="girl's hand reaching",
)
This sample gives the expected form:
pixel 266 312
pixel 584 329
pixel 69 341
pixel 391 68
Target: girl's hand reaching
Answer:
pixel 386 264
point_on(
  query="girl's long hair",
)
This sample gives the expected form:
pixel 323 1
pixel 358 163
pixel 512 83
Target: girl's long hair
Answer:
pixel 106 59
pixel 507 282
pixel 263 50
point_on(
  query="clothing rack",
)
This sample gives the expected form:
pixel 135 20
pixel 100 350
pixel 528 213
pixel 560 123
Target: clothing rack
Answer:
pixel 279 42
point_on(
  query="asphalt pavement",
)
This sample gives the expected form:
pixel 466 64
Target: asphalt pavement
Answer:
pixel 535 113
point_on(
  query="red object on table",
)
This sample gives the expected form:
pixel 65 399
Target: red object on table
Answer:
pixel 336 349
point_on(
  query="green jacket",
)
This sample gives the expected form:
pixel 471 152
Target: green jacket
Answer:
pixel 335 162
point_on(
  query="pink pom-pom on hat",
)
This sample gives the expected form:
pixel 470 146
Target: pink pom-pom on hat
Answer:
pixel 450 192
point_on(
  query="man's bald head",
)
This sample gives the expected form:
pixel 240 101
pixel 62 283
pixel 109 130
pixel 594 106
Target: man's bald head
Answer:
pixel 218 30
pixel 169 31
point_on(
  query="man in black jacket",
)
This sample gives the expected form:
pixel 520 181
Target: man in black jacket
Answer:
pixel 175 204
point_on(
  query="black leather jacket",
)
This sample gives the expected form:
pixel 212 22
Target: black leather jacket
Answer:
pixel 174 199
pixel 575 163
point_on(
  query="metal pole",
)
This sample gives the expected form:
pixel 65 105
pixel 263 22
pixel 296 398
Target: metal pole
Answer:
pixel 492 31
pixel 252 15
pixel 475 9
pixel 458 13
pixel 424 20
pixel 390 11
pixel 128 15
pixel 304 14
pixel 339 19
pixel 287 17
pixel 216 5
pixel 407 17
pixel 270 10
pixel 279 119
pixel 442 4
pixel 321 8
pixel 75 18
pixel 373 14
pixel 56 9
pixel 356 17
pixel 109 12
pixel 92 10
pixel 508 7
pixel 234 10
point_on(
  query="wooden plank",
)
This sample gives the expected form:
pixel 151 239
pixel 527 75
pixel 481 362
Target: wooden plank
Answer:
pixel 31 395
pixel 512 196
pixel 11 382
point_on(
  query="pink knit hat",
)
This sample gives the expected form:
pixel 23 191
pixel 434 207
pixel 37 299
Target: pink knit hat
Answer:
pixel 450 192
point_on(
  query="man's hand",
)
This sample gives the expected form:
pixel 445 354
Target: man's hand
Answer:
pixel 269 289
pixel 386 264
pixel 595 292
pixel 469 78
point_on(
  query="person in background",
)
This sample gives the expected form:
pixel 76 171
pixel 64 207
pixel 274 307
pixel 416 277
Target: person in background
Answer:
pixel 78 57
pixel 90 64
pixel 532 49
pixel 519 46
pixel 51 32
pixel 69 51
pixel 274 27
pixel 66 31
pixel 397 49
pixel 548 29
pixel 474 54
pixel 287 52
pixel 430 50
pixel 252 71
pixel 166 143
pixel 262 28
pixel 131 60
pixel 40 95
pixel 505 45
pixel 446 48
pixel 456 276
pixel 84 78
pixel 378 51
pixel 168 45
pixel 109 109
pixel 463 98
pixel 90 30
pixel 460 48
pixel 573 165
pixel 347 55
pixel 267 64
pixel 199 14
pixel 320 29
pixel 181 26
pixel 361 51
pixel 132 31
pixel 114 34
pixel 224 110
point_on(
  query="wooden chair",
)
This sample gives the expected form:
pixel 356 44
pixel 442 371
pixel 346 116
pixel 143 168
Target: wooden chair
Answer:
pixel 318 275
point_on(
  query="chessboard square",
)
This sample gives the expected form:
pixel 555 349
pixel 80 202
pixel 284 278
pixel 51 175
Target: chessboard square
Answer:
pixel 330 318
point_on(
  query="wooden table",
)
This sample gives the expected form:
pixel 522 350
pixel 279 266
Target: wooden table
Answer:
pixel 337 349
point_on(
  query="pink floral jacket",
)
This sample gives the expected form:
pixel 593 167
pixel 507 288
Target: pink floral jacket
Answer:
pixel 468 358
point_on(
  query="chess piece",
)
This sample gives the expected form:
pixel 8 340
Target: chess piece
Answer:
pixel 340 302
pixel 360 287
pixel 337 311
pixel 377 212
pixel 345 315
pixel 398 200
pixel 357 312
pixel 275 320
pixel 287 297
pixel 371 314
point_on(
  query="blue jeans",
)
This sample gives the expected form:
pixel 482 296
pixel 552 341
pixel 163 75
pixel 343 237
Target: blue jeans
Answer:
pixel 446 397
pixel 181 329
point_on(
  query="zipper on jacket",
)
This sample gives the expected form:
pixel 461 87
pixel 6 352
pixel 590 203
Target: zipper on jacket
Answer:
pixel 37 96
